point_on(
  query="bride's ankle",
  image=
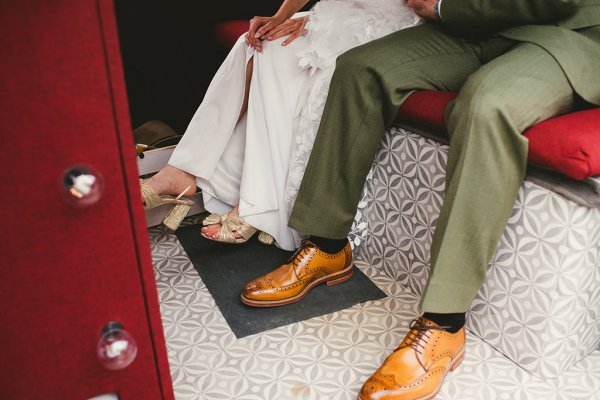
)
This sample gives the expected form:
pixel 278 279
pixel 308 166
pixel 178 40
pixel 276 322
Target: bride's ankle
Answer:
pixel 157 184
pixel 173 181
pixel 235 211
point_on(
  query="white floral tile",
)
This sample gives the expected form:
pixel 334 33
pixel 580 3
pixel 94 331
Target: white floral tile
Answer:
pixel 324 358
pixel 540 303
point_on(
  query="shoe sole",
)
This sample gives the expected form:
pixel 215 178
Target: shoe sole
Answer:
pixel 241 241
pixel 454 364
pixel 331 280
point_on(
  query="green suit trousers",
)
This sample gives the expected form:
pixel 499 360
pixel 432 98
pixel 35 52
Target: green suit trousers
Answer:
pixel 505 86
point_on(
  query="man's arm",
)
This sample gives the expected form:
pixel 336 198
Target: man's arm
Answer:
pixel 477 17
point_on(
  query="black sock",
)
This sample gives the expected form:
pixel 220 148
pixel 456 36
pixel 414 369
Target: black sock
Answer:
pixel 330 246
pixel 454 321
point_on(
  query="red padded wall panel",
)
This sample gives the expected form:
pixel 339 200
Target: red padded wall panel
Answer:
pixel 123 127
pixel 67 271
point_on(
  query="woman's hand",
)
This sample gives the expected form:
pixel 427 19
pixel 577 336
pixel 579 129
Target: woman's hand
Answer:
pixel 293 27
pixel 260 27
pixel 423 8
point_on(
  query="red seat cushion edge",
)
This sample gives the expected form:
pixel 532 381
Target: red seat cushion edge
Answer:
pixel 569 144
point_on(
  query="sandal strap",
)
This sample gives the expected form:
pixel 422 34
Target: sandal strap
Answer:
pixel 236 224
pixel 226 235
pixel 151 198
pixel 214 219
pixel 230 225
pixel 183 192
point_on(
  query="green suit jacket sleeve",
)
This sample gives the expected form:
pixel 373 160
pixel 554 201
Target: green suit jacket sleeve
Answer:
pixel 476 18
pixel 567 29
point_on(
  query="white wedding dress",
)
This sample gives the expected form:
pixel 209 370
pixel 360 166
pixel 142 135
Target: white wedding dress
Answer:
pixel 258 163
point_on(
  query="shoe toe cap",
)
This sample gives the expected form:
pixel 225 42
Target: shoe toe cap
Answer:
pixel 254 289
pixel 381 387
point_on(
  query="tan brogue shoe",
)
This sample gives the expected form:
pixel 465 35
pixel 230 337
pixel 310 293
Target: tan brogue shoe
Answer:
pixel 308 267
pixel 416 370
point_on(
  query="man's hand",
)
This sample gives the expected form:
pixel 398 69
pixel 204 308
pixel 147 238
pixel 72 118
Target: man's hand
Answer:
pixel 423 8
pixel 292 27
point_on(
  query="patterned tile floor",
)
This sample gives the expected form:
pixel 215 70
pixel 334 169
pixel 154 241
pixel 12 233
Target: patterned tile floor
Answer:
pixel 324 358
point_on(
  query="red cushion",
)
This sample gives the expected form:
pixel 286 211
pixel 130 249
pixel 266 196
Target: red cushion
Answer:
pixel 569 144
pixel 227 33
pixel 426 107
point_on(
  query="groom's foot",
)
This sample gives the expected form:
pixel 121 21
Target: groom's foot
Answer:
pixel 416 370
pixel 308 267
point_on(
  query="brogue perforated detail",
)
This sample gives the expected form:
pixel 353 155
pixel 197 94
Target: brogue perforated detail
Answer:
pixel 306 268
pixel 429 345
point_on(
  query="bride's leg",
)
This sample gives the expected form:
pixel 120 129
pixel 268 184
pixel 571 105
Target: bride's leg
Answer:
pixel 213 230
pixel 172 181
pixel 249 68
pixel 277 84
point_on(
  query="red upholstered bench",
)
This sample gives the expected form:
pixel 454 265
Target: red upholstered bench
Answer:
pixel 569 144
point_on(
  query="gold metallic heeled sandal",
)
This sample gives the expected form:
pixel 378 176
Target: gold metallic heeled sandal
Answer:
pixel 265 238
pixel 230 225
pixel 180 209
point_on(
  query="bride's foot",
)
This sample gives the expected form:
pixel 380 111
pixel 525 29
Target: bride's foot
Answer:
pixel 214 229
pixel 172 181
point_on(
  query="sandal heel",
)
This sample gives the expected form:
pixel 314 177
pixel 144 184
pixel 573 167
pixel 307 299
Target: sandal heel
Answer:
pixel 180 208
pixel 176 215
pixel 265 238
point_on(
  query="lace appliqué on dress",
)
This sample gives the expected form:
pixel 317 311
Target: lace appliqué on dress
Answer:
pixel 335 26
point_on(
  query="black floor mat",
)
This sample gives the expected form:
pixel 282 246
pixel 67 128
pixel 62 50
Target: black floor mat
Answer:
pixel 226 268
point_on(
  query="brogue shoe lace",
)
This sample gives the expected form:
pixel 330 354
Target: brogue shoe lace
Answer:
pixel 419 334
